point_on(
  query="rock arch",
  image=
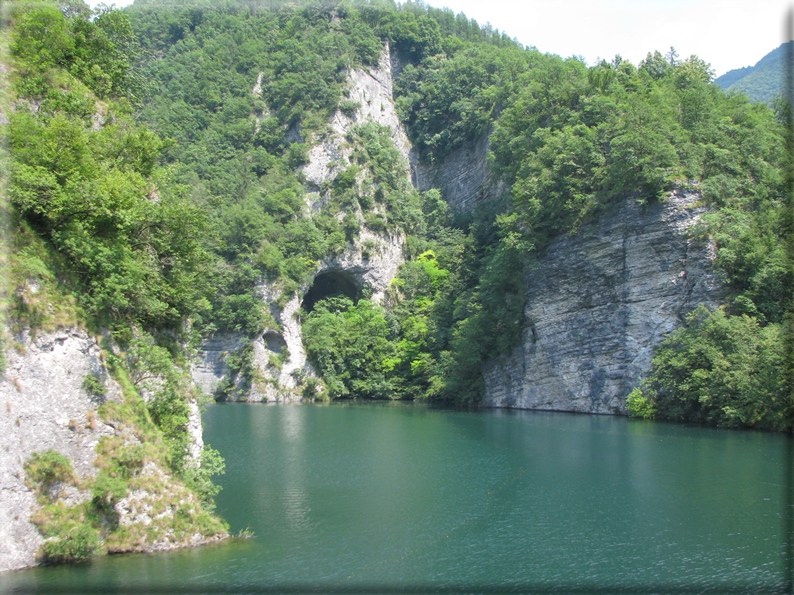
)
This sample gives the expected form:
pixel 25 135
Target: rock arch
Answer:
pixel 332 282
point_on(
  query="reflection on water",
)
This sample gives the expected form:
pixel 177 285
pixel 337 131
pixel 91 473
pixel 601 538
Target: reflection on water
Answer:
pixel 394 496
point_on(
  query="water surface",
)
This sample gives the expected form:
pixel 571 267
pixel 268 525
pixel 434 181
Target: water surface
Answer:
pixel 392 497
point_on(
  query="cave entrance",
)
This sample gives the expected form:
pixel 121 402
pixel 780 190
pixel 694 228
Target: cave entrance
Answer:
pixel 330 283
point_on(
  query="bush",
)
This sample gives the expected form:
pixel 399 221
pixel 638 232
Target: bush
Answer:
pixel 722 370
pixel 107 491
pixel 639 405
pixel 44 469
pixel 94 386
pixel 75 544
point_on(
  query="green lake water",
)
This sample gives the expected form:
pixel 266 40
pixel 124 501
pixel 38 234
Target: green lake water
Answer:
pixel 363 497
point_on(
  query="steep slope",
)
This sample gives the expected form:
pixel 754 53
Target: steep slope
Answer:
pixel 50 406
pixel 278 359
pixel 760 82
pixel 598 303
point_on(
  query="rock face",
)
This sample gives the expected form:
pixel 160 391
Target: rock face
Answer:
pixel 210 368
pixel 45 407
pixel 464 176
pixel 597 305
pixel 370 95
pixel 278 358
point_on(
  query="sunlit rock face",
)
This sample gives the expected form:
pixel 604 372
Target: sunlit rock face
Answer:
pixel 597 304
pixel 367 264
pixel 47 407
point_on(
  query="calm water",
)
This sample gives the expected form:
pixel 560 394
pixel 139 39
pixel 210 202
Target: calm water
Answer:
pixel 358 497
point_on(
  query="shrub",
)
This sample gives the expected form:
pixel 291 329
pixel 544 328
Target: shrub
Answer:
pixel 76 544
pixel 94 386
pixel 44 469
pixel 722 370
pixel 639 405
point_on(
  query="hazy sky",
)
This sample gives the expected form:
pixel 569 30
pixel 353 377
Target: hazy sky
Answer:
pixel 726 33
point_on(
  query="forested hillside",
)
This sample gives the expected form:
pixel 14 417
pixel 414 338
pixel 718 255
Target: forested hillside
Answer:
pixel 761 82
pixel 156 184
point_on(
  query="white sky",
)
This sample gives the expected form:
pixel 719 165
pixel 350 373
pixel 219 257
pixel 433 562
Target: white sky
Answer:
pixel 726 33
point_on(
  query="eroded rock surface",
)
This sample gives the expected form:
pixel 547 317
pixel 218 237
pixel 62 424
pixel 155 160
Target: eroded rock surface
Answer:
pixel 45 407
pixel 597 305
pixel 464 176
pixel 372 260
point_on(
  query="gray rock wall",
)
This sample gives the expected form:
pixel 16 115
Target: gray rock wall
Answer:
pixel 44 407
pixel 597 305
pixel 464 176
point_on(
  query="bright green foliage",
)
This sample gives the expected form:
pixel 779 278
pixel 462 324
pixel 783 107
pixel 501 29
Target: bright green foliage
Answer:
pixel 199 478
pixel 67 537
pixel 76 543
pixel 639 405
pixel 44 469
pixel 723 370
pixel 134 256
pixel 97 52
pixel 348 345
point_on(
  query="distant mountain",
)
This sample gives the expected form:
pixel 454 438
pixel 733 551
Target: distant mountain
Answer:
pixel 762 81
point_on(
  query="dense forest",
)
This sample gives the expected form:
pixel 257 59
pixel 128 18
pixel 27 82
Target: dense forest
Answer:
pixel 761 82
pixel 152 193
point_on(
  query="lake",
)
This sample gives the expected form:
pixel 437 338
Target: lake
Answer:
pixel 393 497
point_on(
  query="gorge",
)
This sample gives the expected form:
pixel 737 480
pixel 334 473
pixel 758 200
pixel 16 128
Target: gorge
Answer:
pixel 348 202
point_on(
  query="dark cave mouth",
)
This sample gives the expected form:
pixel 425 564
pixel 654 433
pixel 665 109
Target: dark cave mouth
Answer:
pixel 331 283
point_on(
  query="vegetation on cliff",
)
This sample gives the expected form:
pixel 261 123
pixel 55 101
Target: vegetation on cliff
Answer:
pixel 155 200
pixel 101 236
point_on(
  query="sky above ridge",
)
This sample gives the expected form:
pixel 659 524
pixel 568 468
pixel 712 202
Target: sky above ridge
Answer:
pixel 727 34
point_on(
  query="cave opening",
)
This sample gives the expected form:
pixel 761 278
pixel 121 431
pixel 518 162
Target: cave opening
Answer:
pixel 331 283
pixel 274 341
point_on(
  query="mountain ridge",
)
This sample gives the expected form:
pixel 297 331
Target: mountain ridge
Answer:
pixel 762 81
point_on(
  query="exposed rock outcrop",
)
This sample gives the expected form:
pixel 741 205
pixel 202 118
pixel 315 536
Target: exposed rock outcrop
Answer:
pixel 45 407
pixel 464 177
pixel 371 99
pixel 210 368
pixel 278 358
pixel 597 305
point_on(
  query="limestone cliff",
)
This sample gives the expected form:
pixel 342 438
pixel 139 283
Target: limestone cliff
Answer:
pixel 47 406
pixel 44 407
pixel 597 304
pixel 464 177
pixel 277 358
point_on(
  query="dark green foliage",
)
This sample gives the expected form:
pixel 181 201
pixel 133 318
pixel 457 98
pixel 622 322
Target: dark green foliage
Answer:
pixel 199 478
pixel 185 223
pixel 135 258
pixel 446 101
pixel 107 490
pixel 94 386
pixel 76 542
pixel 572 141
pixel 723 370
